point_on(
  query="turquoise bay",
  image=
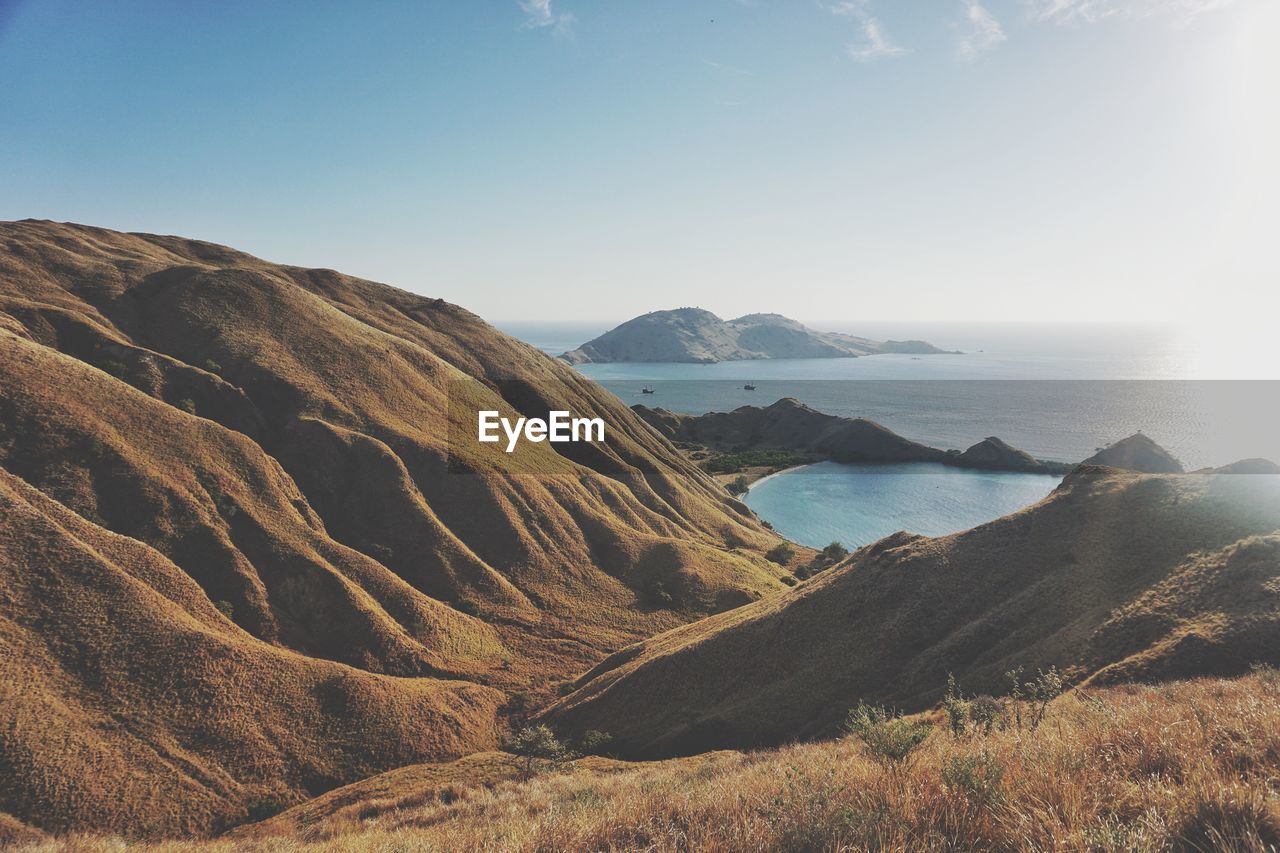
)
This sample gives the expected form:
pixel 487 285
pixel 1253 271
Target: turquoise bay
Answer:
pixel 859 504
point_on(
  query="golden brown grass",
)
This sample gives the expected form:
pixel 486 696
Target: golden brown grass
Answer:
pixel 236 568
pixel 1185 766
pixel 1116 576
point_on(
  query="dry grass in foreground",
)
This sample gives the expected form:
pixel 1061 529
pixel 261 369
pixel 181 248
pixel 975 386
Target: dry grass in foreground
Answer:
pixel 1190 765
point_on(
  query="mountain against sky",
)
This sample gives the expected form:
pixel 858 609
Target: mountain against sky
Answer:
pixel 698 336
pixel 242 562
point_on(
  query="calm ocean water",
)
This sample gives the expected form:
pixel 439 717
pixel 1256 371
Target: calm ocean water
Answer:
pixel 1058 392
pixel 859 504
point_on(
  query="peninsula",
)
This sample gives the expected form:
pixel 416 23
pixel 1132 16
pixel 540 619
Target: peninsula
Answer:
pixel 806 435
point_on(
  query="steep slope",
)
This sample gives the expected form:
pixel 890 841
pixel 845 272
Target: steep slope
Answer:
pixel 1137 453
pixel 295 450
pixel 132 705
pixel 1115 575
pixel 698 336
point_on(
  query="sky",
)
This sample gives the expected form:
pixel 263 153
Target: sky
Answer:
pixel 596 159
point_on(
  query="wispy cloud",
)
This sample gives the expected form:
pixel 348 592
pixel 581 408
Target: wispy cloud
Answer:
pixel 875 43
pixel 980 32
pixel 1092 11
pixel 538 14
pixel 728 69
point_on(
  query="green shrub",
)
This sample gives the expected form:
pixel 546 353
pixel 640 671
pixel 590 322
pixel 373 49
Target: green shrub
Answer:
pixel 212 366
pixel 187 405
pixel 833 553
pixel 739 486
pixel 1034 695
pixel 956 708
pixel 979 777
pixel 226 608
pixel 986 713
pixel 538 746
pixel 594 742
pixel 780 553
pixel 888 737
pixel 825 559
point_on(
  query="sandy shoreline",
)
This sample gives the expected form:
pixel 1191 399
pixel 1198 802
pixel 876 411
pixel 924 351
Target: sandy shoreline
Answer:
pixel 755 483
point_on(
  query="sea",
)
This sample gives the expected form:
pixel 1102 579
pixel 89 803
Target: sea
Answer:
pixel 1060 392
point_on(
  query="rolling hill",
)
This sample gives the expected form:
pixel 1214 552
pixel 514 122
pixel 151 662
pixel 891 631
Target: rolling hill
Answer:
pixel 244 514
pixel 1116 576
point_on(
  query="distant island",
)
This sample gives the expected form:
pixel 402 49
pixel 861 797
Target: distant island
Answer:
pixel 696 336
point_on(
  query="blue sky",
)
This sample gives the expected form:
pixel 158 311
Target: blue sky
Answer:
pixel 595 159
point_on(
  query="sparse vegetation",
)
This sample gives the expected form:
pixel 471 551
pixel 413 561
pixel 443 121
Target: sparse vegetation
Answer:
pixel 1031 698
pixel 659 596
pixel 889 737
pixel 595 743
pixel 729 463
pixel 782 553
pixel 538 746
pixel 1267 674
pixel 1143 776
pixel 979 776
pixel 825 559
pixel 978 715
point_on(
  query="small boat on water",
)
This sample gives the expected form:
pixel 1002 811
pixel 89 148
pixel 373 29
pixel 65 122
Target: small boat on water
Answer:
pixel 749 387
pixel 647 390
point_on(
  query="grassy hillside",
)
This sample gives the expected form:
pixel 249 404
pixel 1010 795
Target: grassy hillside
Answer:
pixel 278 451
pixel 1115 576
pixel 132 704
pixel 1183 766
